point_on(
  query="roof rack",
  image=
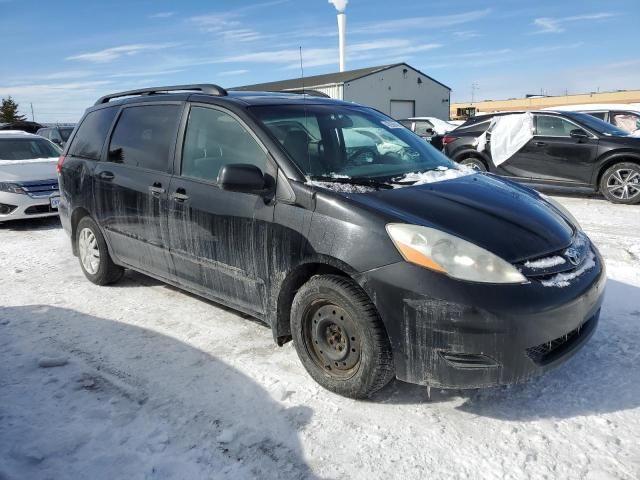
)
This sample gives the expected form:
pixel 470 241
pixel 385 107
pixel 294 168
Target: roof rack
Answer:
pixel 305 91
pixel 206 88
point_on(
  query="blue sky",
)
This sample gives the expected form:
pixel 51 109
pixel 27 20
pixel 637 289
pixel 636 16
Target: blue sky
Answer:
pixel 62 55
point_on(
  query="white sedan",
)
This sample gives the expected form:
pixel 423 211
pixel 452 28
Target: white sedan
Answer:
pixel 28 180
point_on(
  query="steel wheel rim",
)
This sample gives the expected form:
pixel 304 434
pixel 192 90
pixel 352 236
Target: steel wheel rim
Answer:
pixel 89 251
pixel 624 184
pixel 332 340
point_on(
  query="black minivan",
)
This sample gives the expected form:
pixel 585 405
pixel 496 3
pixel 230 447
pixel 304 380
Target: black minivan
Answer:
pixel 397 263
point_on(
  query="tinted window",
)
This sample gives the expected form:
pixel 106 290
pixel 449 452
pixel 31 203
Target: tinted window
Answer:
pixel 65 133
pixel 43 132
pixel 596 124
pixel 92 132
pixel 26 148
pixel 600 115
pixel 549 126
pixel 214 139
pixel 55 135
pixel 143 136
pixel 422 126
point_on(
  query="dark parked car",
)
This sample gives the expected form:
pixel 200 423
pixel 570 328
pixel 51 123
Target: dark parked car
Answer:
pixel 401 264
pixel 568 151
pixel 58 134
pixel 22 125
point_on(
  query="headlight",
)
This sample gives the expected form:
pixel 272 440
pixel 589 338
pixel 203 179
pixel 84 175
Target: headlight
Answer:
pixel 439 251
pixel 562 210
pixel 11 188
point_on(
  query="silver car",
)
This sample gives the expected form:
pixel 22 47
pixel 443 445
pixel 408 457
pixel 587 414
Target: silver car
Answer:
pixel 28 179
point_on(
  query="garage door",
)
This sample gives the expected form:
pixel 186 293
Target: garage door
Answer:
pixel 402 108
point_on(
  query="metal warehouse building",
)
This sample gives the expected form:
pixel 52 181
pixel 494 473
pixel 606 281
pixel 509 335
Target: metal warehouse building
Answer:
pixel 398 90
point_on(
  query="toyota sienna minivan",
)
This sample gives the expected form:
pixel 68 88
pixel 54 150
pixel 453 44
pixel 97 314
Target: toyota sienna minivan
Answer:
pixel 397 263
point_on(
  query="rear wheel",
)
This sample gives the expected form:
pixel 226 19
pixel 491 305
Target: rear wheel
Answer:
pixel 340 338
pixel 620 183
pixel 474 163
pixel 95 261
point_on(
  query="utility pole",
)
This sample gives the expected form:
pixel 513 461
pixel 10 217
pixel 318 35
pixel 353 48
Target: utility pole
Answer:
pixel 474 88
pixel 33 118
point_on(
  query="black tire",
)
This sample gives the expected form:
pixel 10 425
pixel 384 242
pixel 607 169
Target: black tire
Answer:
pixel 107 272
pixel 613 182
pixel 330 312
pixel 474 163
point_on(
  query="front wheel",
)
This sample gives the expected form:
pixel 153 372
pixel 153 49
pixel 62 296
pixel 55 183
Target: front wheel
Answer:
pixel 620 183
pixel 95 261
pixel 474 163
pixel 340 338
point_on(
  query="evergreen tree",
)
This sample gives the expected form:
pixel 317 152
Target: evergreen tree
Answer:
pixel 9 111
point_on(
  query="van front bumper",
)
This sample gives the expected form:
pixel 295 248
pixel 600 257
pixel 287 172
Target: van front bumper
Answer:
pixel 453 334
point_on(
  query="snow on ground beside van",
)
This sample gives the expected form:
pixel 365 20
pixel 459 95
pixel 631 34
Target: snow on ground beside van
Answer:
pixel 141 381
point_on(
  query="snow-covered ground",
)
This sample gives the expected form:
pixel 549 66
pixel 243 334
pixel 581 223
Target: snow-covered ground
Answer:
pixel 141 381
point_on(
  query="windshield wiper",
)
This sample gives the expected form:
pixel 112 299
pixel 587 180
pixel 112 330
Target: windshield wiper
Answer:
pixel 364 181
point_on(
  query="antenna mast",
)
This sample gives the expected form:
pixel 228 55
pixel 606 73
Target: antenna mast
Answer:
pixel 301 70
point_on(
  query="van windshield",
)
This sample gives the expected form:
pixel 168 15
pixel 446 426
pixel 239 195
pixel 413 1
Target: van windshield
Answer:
pixel 349 142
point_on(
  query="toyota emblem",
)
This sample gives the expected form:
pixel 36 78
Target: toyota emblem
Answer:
pixel 573 255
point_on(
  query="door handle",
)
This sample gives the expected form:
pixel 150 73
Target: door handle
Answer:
pixel 180 195
pixel 106 175
pixel 156 189
pixel 540 144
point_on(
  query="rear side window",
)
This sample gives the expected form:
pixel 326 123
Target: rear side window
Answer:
pixel 600 115
pixel 422 127
pixel 91 134
pixel 143 136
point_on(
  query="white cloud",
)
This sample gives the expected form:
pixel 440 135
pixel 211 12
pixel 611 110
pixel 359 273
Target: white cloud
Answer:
pixel 162 15
pixel 554 48
pixel 226 26
pixel 229 73
pixel 466 34
pixel 110 54
pixel 557 24
pixel 315 57
pixel 57 102
pixel 145 73
pixel 429 23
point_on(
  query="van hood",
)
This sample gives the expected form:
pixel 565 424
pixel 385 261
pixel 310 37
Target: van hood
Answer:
pixel 507 219
pixel 28 170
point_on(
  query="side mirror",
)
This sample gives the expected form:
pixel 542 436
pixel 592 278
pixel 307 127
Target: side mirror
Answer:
pixel 57 141
pixel 578 133
pixel 241 177
pixel 430 131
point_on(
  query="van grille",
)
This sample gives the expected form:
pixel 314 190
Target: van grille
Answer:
pixel 563 261
pixel 40 188
pixel 549 351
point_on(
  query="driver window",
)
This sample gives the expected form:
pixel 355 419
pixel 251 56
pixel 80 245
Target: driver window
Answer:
pixel 548 126
pixel 214 139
